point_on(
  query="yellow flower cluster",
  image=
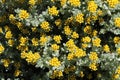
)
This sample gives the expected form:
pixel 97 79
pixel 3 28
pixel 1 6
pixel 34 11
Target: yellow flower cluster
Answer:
pixel 30 56
pixel 113 3
pixel 117 22
pixel 57 38
pixel 118 50
pixel 1 48
pixel 106 48
pixel 79 18
pixel 74 3
pixel 86 39
pixel 43 40
pixel 117 73
pixel 54 62
pixel 5 62
pixel 87 29
pixel 17 73
pixel 23 41
pixel 58 22
pixel 56 74
pixel 8 35
pixel 75 35
pixel 45 25
pixel 70 56
pixel 23 14
pixel 81 74
pixel 63 2
pixel 32 2
pixel 35 42
pixel 53 11
pixel 67 30
pixel 93 66
pixel 54 47
pixel 92 6
pixel 10 42
pixel 80 53
pixel 96 42
pixel 116 39
pixel 93 56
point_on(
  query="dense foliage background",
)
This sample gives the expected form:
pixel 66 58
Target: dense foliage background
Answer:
pixel 60 39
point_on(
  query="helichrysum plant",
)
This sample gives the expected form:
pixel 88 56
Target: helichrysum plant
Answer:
pixel 60 39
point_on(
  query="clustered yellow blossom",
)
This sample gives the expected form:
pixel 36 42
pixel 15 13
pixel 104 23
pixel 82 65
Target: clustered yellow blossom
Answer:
pixel 79 18
pixel 23 41
pixel 67 30
pixel 113 3
pixel 86 39
pixel 1 48
pixel 23 14
pixel 57 38
pixel 8 35
pixel 80 53
pixel 55 47
pixel 116 39
pixel 106 48
pixel 11 17
pixel 92 6
pixel 93 56
pixel 35 42
pixel 70 56
pixel 45 25
pixel 117 22
pixel 75 3
pixel 75 35
pixel 81 74
pixel 5 62
pixel 93 66
pixel 43 40
pixel 53 11
pixel 17 73
pixel 32 2
pixel 54 62
pixel 10 42
pixel 96 42
pixel 94 32
pixel 117 73
pixel 56 74
pixel 87 29
pixel 63 2
pixel 30 56
pixel 58 22
pixel 118 50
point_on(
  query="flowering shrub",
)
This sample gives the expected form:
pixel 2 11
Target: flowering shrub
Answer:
pixel 60 39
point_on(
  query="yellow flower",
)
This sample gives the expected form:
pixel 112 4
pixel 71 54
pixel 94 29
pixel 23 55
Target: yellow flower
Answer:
pixel 80 53
pixel 118 50
pixel 57 38
pixel 106 48
pixel 35 42
pixel 74 3
pixel 113 3
pixel 93 66
pixel 116 40
pixel 53 11
pixel 58 22
pixel 67 30
pixel 84 45
pixel 75 35
pixel 117 22
pixel 86 39
pixel 88 20
pixel 10 42
pixel 1 30
pixel 32 2
pixel 88 29
pixel 55 47
pixel 56 74
pixel 93 56
pixel 23 54
pixel 92 6
pixel 63 2
pixel 45 25
pixel 43 40
pixel 81 74
pixel 100 12
pixel 23 41
pixel 5 62
pixel 54 62
pixel 96 42
pixel 94 32
pixel 23 14
pixel 8 35
pixel 79 18
pixel 1 48
pixel 116 76
pixel 70 56
pixel 11 17
pixel 17 73
pixel 118 70
pixel 94 17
